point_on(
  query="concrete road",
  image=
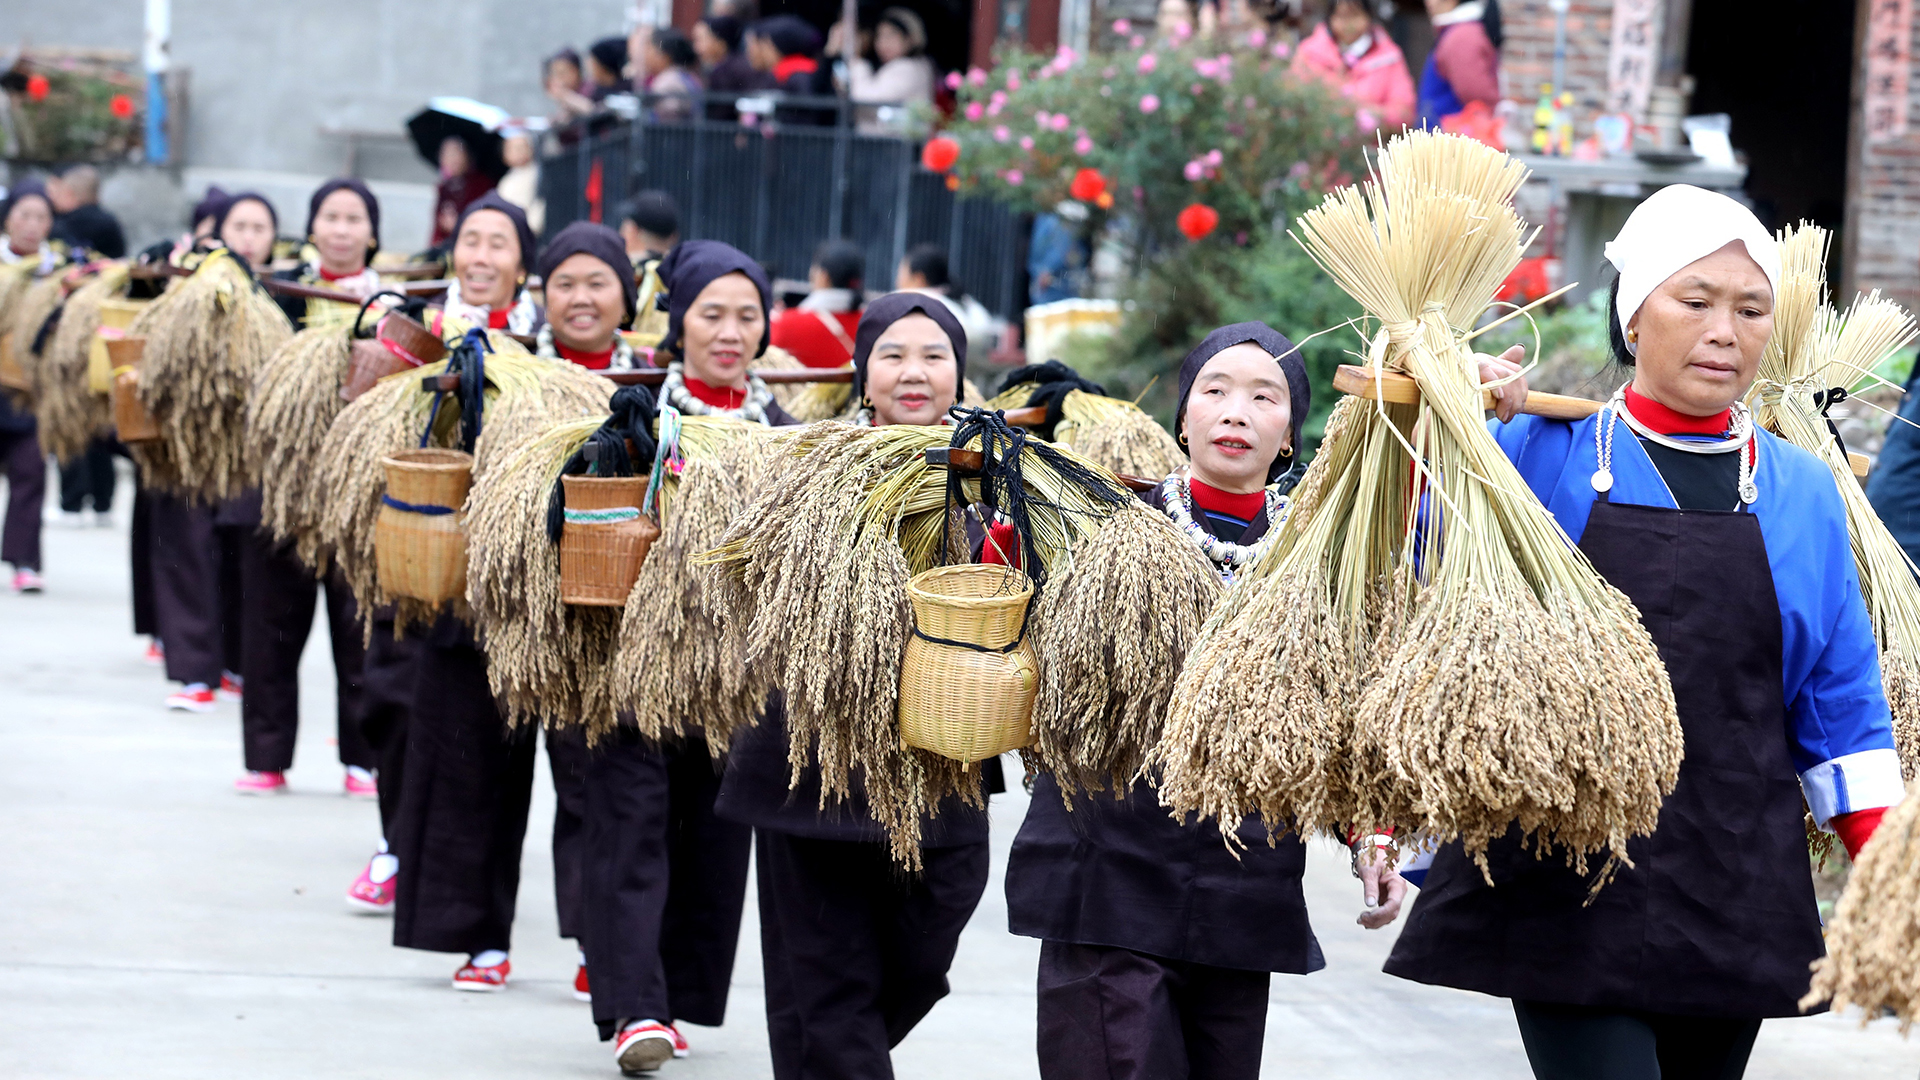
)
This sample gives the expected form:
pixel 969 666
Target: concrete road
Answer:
pixel 155 924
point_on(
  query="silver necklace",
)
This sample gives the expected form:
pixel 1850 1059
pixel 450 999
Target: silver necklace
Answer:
pixel 1740 438
pixel 1230 558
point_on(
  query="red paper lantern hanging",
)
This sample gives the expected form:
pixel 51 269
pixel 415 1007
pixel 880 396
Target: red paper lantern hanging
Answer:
pixel 1197 220
pixel 121 106
pixel 37 87
pixel 939 154
pixel 1088 185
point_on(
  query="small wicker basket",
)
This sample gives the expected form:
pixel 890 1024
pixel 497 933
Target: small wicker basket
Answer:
pixel 958 702
pixel 368 362
pixel 599 560
pixel 420 553
pixel 131 420
pixel 12 375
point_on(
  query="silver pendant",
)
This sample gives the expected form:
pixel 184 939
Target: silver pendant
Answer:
pixel 1748 492
pixel 1603 480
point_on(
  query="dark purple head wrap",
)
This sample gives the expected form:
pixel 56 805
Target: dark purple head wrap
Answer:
pixel 492 201
pixel 1275 344
pixel 345 183
pixel 25 189
pixel 587 238
pixel 226 208
pixel 890 309
pixel 209 205
pixel 695 264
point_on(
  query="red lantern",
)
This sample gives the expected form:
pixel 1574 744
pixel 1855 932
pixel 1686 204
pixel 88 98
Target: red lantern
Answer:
pixel 37 87
pixel 1197 220
pixel 939 154
pixel 1088 185
pixel 121 106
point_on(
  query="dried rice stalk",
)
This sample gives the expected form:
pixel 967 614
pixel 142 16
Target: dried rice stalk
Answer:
pixel 71 415
pixel 1873 940
pixel 206 336
pixel 807 402
pixel 295 398
pixel 15 280
pixel 1117 434
pixel 37 303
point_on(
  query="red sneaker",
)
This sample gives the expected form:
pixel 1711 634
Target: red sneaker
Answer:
pixel 156 653
pixel 193 698
pixel 261 783
pixel 679 1041
pixel 369 896
pixel 360 784
pixel 485 980
pixel 643 1047
pixel 580 991
pixel 230 686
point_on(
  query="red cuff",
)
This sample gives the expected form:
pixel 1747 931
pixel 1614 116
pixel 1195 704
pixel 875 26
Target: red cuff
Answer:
pixel 1857 828
pixel 1003 545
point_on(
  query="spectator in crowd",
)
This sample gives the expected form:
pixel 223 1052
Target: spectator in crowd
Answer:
pixel 924 269
pixel 788 47
pixel 719 40
pixel 1464 66
pixel 27 218
pixel 460 184
pixel 820 331
pixel 1351 52
pixel 82 222
pixel 1056 255
pixel 565 85
pixel 668 69
pixel 649 226
pixel 521 184
pixel 905 76
pixel 606 67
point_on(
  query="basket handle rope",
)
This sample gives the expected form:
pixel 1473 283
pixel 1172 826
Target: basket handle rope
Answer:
pixel 469 363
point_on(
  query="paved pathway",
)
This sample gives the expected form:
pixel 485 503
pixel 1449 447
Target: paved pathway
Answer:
pixel 157 925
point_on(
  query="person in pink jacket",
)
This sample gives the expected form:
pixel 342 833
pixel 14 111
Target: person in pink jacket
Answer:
pixel 1352 52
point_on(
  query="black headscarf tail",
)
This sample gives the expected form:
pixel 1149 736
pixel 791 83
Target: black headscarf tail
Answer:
pixel 1052 382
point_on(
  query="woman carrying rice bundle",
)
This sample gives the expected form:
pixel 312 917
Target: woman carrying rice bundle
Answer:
pixel 279 591
pixel 666 879
pixel 1733 544
pixel 196 546
pixel 492 253
pixel 854 954
pixel 27 218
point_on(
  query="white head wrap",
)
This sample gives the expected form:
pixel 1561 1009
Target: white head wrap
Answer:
pixel 1676 226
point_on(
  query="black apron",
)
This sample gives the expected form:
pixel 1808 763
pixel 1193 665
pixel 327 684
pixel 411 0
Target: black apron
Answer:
pixel 1717 916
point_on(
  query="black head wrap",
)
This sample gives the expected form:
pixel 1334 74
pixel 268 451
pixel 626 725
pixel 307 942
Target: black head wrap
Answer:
pixel 727 29
pixel 209 204
pixel 347 183
pixel 1275 344
pixel 890 309
pixel 492 201
pixel 610 53
pixel 25 189
pixel 588 238
pixel 790 34
pixel 692 266
pixel 226 208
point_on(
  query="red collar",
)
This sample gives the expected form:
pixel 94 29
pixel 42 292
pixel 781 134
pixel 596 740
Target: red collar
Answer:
pixel 328 275
pixel 1667 422
pixel 497 320
pixel 1246 507
pixel 790 66
pixel 593 361
pixel 720 397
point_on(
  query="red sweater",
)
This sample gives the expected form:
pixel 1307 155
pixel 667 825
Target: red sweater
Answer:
pixel 802 333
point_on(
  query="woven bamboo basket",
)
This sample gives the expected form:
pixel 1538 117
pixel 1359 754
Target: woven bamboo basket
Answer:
pixel 12 375
pixel 131 420
pixel 368 362
pixel 600 560
pixel 423 555
pixel 958 702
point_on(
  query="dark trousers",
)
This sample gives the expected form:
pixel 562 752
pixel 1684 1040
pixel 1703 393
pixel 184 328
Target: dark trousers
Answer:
pixel 463 812
pixel 855 954
pixel 665 884
pixel 26 469
pixel 88 480
pixel 281 594
pixel 1114 1014
pixel 140 553
pixel 386 701
pixel 196 590
pixel 1575 1042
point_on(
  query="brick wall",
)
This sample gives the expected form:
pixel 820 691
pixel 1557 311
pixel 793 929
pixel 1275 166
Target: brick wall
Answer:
pixel 1526 59
pixel 1883 205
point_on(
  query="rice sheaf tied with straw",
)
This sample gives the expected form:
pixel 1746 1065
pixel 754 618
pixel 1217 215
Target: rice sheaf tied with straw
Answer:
pixel 524 395
pixel 1117 435
pixel 663 658
pixel 1815 359
pixel 295 398
pixel 1433 655
pixel 37 303
pixel 70 414
pixel 206 337
pixel 816 568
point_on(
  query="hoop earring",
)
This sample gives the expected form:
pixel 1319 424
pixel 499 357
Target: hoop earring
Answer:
pixel 866 402
pixel 1183 438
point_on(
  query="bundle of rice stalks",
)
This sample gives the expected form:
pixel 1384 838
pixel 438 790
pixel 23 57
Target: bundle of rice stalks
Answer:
pixel 1873 939
pixel 15 280
pixel 1816 357
pixel 807 402
pixel 70 413
pixel 1383 612
pixel 206 336
pixel 295 398
pixel 1117 434
pixel 524 397
pixel 38 303
pixel 817 566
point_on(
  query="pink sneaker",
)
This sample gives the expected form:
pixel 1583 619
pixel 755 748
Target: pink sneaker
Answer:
pixel 370 896
pixel 27 581
pixel 195 697
pixel 230 686
pixel 261 783
pixel 360 784
pixel 679 1041
pixel 643 1046
pixel 156 653
pixel 486 980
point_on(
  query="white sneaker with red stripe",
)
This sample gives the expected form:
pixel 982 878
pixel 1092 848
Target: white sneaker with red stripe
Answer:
pixel 643 1046
pixel 156 653
pixel 230 686
pixel 679 1041
pixel 193 697
pixel 483 978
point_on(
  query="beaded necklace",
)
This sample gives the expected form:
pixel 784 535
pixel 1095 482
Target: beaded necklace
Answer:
pixel 622 352
pixel 1176 495
pixel 753 409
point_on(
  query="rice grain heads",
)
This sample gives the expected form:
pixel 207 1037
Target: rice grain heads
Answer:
pixel 69 412
pixel 1873 939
